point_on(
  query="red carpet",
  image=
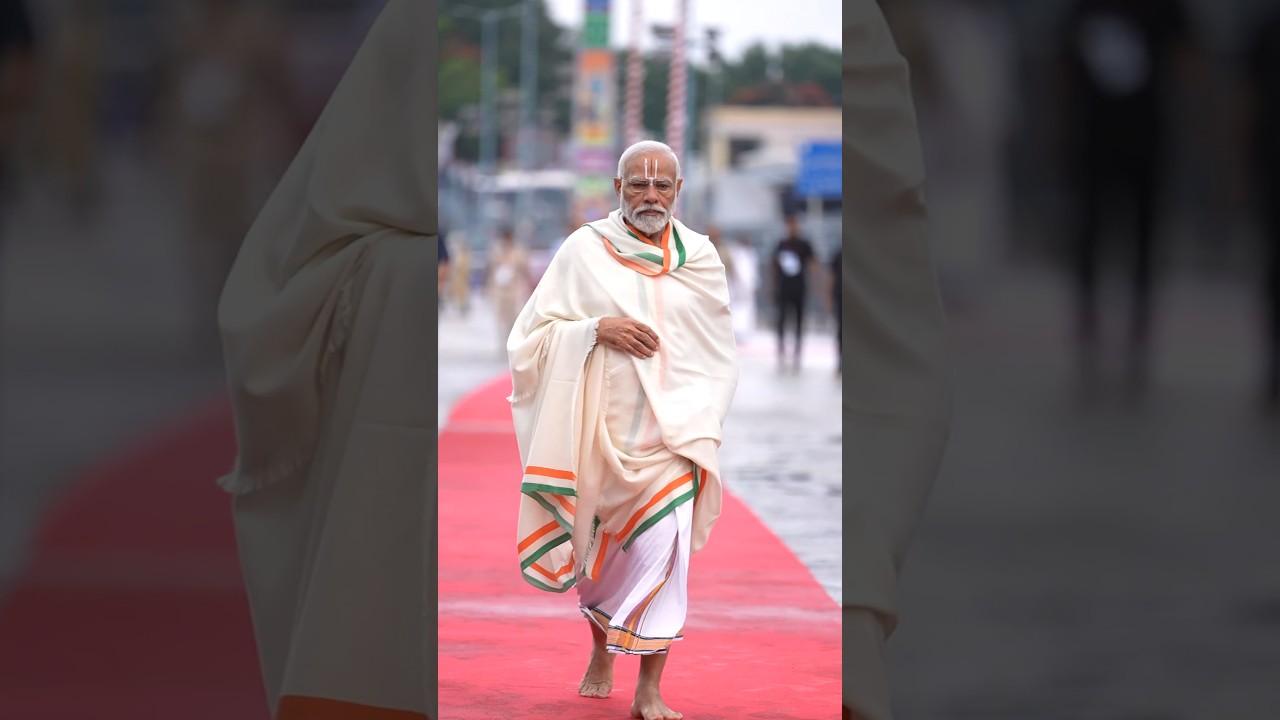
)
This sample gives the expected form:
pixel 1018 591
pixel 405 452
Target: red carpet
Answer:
pixel 762 639
pixel 131 606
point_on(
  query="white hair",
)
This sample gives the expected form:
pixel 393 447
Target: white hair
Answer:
pixel 645 146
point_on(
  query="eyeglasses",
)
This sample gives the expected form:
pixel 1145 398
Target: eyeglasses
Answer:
pixel 637 186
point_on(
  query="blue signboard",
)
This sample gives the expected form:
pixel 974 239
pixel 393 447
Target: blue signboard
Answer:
pixel 819 172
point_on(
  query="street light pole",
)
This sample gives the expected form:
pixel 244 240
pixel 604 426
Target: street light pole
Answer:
pixel 684 131
pixel 691 103
pixel 489 19
pixel 528 91
pixel 488 89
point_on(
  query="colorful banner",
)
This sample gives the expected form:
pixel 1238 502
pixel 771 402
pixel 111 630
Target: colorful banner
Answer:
pixel 595 117
pixel 594 197
pixel 597 100
pixel 595 32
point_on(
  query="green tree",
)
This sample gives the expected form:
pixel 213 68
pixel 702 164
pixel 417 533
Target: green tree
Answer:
pixel 813 63
pixel 461 36
pixel 750 70
pixel 807 74
pixel 459 86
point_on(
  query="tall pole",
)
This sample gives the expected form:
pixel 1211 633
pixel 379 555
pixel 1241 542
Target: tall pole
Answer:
pixel 488 89
pixel 528 96
pixel 691 105
pixel 676 96
pixel 713 101
pixel 716 68
pixel 635 77
pixel 488 18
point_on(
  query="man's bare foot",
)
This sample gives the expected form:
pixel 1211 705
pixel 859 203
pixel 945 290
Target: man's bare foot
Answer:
pixel 599 678
pixel 648 705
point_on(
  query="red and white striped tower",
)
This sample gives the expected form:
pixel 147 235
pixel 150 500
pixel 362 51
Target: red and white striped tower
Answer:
pixel 676 96
pixel 635 78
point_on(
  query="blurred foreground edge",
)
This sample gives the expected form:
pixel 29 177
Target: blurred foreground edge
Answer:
pixel 897 401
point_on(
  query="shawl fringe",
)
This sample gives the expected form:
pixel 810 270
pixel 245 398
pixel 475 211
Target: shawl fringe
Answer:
pixel 515 399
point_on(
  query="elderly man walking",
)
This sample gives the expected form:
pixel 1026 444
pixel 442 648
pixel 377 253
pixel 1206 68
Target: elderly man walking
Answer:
pixel 623 367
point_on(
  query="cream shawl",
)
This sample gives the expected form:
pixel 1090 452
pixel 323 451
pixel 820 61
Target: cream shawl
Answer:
pixel 364 174
pixel 577 491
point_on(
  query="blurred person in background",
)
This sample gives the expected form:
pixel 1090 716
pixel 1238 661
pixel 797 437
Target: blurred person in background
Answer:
pixel 231 116
pixel 1118 61
pixel 17 69
pixel 726 259
pixel 73 102
pixel 334 508
pixel 834 307
pixel 459 283
pixel 793 262
pixel 1262 135
pixel 629 325
pixel 966 110
pixel 743 286
pixel 442 269
pixel 509 282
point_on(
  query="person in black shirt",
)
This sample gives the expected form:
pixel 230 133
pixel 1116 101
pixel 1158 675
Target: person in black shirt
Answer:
pixel 442 271
pixel 836 309
pixel 1118 57
pixel 17 45
pixel 17 59
pixel 1263 83
pixel 793 261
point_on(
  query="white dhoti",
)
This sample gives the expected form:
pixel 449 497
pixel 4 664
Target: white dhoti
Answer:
pixel 641 597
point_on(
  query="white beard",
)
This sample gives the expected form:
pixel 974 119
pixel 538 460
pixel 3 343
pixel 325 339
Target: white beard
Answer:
pixel 643 223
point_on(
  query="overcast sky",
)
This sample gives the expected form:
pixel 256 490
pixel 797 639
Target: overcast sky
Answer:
pixel 741 23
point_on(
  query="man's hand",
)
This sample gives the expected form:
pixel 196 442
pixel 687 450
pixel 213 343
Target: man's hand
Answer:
pixel 627 335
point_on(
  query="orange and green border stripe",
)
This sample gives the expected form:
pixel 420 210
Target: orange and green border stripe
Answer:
pixel 673 495
pixel 548 480
pixel 625 641
pixel 670 259
pixel 554 490
pixel 537 544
